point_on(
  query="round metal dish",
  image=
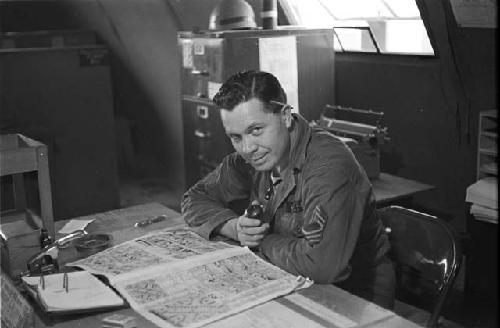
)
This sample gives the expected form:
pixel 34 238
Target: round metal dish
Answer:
pixel 93 243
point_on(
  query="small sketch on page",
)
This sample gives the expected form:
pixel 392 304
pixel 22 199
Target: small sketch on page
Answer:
pixel 117 260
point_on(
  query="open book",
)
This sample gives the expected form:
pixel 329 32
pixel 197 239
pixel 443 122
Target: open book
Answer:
pixel 175 278
pixel 85 293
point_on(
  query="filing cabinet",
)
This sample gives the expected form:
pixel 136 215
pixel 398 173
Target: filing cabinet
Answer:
pixel 205 140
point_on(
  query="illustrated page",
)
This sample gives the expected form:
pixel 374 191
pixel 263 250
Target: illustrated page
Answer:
pixel 192 293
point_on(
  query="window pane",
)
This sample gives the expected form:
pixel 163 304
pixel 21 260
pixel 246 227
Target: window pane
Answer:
pixel 407 36
pixel 311 14
pixel 343 9
pixel 404 8
pixel 353 39
pixel 350 23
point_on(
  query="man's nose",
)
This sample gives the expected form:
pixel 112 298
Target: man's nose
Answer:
pixel 248 146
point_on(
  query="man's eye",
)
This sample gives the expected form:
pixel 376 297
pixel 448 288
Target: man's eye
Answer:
pixel 235 138
pixel 256 131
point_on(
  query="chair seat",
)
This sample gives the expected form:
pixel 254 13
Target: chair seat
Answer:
pixel 419 316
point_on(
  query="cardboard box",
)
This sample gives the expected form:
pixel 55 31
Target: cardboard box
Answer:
pixel 20 240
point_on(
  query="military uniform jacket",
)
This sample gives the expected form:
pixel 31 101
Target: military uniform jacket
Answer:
pixel 323 215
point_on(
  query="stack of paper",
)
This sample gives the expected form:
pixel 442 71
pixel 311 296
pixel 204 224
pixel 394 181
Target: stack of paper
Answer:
pixel 483 195
pixel 85 292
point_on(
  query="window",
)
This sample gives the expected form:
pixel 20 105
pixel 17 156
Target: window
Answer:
pixel 380 26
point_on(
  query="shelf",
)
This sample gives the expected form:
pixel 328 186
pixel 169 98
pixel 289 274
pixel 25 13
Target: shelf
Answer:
pixel 487 154
pixel 489 169
pixel 490 151
pixel 489 134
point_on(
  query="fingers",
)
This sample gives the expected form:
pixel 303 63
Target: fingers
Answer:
pixel 252 236
pixel 250 243
pixel 244 221
pixel 255 234
pixel 253 229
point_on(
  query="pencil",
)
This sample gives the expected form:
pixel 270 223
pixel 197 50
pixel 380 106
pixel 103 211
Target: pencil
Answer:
pixel 65 281
pixel 42 280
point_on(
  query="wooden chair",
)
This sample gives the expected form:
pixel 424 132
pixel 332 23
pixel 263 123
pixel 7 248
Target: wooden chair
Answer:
pixel 20 154
pixel 427 257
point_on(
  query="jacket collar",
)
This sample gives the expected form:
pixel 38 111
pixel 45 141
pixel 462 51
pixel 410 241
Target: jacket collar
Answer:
pixel 300 135
pixel 299 139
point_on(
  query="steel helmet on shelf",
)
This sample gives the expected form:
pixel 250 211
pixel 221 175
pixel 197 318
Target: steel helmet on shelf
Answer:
pixel 232 15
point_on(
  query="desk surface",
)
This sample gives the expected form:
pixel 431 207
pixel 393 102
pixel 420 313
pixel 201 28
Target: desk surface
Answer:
pixel 334 304
pixel 389 188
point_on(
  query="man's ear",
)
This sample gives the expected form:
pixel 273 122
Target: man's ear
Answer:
pixel 287 115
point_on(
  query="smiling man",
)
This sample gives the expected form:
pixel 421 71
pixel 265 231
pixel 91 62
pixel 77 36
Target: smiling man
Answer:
pixel 320 219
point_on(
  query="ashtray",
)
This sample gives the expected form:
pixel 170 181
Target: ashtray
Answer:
pixel 93 243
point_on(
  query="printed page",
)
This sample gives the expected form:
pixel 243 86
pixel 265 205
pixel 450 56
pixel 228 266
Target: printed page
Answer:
pixel 159 247
pixel 195 292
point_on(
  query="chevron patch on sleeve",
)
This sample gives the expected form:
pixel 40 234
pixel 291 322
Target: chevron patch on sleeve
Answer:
pixel 313 230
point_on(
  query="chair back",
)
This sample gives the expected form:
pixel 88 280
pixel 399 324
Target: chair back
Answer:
pixel 427 257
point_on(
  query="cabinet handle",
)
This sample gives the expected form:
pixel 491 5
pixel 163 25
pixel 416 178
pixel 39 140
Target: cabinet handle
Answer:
pixel 201 134
pixel 202 111
pixel 199 72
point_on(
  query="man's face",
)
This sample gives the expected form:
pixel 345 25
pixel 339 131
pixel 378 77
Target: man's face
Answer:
pixel 260 137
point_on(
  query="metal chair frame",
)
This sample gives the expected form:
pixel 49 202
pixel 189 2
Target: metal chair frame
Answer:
pixel 430 268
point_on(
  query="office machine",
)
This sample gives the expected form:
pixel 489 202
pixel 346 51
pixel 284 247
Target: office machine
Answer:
pixel 362 131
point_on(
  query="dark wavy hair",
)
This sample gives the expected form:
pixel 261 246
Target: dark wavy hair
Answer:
pixel 246 85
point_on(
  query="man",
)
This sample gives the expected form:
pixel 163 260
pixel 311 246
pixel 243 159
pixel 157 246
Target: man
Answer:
pixel 320 219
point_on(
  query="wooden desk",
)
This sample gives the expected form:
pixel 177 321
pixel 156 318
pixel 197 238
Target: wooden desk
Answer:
pixel 393 190
pixel 120 225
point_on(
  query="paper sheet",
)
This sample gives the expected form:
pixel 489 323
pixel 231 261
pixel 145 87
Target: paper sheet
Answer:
pixel 84 292
pixel 283 67
pixel 213 88
pixel 74 225
pixel 187 53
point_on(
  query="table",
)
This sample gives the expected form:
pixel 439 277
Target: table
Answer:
pixel 393 190
pixel 322 301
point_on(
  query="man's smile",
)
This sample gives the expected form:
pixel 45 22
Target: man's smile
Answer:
pixel 259 159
